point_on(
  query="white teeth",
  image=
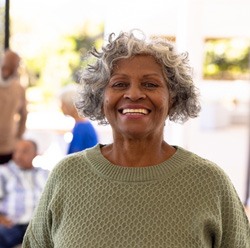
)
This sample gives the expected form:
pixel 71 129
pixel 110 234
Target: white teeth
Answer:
pixel 135 111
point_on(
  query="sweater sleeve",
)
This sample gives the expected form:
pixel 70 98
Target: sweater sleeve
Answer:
pixel 235 224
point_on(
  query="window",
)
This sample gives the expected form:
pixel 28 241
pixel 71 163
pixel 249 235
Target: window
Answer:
pixel 227 59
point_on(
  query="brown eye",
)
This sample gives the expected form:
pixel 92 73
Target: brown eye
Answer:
pixel 120 85
pixel 150 85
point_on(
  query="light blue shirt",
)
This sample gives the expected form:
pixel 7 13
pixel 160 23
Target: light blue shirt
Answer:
pixel 20 191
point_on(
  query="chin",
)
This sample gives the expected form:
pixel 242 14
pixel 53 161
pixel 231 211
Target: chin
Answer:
pixel 136 134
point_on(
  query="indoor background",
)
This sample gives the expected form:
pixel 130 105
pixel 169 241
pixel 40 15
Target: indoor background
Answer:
pixel 51 37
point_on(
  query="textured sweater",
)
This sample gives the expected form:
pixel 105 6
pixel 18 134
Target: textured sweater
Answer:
pixel 184 202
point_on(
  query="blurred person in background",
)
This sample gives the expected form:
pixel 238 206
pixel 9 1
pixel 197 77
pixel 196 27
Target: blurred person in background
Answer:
pixel 21 185
pixel 84 134
pixel 12 105
pixel 138 191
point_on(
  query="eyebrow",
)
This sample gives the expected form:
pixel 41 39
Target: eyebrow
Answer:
pixel 152 74
pixel 146 75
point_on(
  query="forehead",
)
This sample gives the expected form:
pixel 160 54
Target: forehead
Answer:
pixel 138 62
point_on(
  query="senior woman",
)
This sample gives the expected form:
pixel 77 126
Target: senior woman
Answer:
pixel 138 191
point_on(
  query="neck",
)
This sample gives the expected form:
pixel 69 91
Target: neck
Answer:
pixel 138 153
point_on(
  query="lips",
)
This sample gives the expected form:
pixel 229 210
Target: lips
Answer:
pixel 141 111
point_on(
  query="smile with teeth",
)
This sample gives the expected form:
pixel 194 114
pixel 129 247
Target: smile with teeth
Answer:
pixel 135 111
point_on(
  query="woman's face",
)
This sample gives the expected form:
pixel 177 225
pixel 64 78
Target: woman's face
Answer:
pixel 136 99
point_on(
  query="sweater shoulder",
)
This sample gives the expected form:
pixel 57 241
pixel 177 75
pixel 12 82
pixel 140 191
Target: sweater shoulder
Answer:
pixel 74 162
pixel 196 161
pixel 205 168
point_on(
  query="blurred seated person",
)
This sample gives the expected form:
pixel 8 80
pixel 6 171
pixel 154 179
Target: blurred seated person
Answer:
pixel 83 132
pixel 12 104
pixel 21 185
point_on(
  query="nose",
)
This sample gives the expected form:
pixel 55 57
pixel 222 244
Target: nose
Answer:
pixel 134 93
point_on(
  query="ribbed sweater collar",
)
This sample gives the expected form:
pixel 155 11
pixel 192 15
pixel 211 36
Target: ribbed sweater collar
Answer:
pixel 135 174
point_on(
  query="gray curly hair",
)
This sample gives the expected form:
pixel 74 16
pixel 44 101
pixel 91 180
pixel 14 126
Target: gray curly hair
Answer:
pixel 178 74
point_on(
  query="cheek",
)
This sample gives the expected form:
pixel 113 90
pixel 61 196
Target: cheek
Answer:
pixel 109 106
pixel 164 102
pixel 106 104
pixel 106 97
pixel 108 100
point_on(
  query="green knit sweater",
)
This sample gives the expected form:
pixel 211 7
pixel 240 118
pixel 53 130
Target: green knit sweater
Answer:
pixel 184 202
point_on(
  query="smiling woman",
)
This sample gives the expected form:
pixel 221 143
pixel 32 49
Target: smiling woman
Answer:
pixel 138 92
pixel 175 70
pixel 138 191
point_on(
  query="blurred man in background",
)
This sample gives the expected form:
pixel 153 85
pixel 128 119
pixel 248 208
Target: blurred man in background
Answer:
pixel 12 105
pixel 21 185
